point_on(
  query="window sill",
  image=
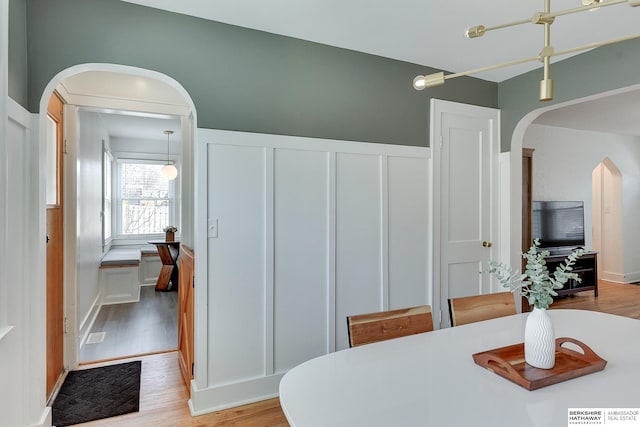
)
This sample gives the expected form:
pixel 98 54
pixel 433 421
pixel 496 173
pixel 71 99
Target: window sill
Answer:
pixel 138 240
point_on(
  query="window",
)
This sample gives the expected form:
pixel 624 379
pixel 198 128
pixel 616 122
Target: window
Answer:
pixel 145 203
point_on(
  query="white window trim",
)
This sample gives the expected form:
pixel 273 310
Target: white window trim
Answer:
pixel 174 193
pixel 106 152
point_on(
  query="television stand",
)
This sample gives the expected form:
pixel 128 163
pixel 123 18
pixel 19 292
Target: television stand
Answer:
pixel 586 267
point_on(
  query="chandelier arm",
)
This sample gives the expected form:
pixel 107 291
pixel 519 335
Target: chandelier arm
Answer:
pixel 587 7
pixel 508 24
pixel 492 67
pixel 546 85
pixel 540 17
pixel 594 45
pixel 539 57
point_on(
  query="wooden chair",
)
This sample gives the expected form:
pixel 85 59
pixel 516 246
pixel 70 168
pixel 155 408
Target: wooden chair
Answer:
pixel 373 327
pixel 481 307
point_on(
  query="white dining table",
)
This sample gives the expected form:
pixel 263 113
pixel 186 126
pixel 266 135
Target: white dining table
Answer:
pixel 430 379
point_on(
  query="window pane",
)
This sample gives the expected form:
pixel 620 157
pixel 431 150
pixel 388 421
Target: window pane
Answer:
pixel 52 162
pixel 145 199
pixel 141 180
pixel 144 216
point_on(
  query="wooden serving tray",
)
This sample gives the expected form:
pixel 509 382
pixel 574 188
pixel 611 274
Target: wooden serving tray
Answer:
pixel 508 362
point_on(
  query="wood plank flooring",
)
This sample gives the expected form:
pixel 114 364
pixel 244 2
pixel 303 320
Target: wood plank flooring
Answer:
pixel 613 298
pixel 147 326
pixel 163 397
pixel 163 402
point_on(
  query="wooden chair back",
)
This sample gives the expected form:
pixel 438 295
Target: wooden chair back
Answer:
pixel 379 326
pixel 481 307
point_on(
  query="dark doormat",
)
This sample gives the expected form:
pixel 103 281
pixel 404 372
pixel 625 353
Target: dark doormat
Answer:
pixel 93 394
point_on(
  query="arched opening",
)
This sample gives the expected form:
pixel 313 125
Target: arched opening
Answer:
pixel 131 92
pixel 567 116
pixel 607 220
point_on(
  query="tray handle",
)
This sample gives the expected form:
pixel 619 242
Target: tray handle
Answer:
pixel 494 362
pixel 586 350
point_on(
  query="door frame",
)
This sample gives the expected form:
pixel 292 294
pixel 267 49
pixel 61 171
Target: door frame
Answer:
pixel 439 107
pixel 58 118
pixel 71 339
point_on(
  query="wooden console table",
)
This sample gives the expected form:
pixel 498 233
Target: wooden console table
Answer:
pixel 168 277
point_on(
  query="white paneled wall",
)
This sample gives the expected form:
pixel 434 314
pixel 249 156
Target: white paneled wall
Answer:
pixel 407 222
pixel 300 256
pixel 22 299
pixel 301 233
pixel 360 284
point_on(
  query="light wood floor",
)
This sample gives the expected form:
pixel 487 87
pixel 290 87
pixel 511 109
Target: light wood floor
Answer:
pixel 163 402
pixel 613 298
pixel 163 396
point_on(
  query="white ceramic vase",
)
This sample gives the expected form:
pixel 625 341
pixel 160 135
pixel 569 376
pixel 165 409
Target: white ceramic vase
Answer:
pixel 539 340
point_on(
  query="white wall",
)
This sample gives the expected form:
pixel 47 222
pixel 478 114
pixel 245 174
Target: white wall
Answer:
pixel 308 232
pixel 89 207
pixel 563 162
pixel 22 305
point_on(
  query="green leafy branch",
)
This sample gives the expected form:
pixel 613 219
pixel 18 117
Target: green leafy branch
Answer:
pixel 536 284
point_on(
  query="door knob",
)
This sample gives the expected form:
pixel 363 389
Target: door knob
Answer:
pixel 486 244
pixel 48 238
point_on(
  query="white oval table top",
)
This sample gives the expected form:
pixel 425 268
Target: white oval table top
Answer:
pixel 431 379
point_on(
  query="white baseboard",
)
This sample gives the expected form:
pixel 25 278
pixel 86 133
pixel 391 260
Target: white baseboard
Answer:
pixel 226 396
pixel 89 319
pixel 620 278
pixel 632 277
pixel 45 418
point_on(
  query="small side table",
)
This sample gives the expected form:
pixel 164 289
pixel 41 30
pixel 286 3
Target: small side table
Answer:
pixel 168 277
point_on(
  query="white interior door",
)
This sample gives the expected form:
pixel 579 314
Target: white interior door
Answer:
pixel 466 147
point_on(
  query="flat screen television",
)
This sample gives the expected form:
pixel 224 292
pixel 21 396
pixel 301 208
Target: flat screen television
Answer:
pixel 558 224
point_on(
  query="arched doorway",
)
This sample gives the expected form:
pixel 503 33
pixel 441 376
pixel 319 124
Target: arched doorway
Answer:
pixel 142 90
pixel 574 115
pixel 607 220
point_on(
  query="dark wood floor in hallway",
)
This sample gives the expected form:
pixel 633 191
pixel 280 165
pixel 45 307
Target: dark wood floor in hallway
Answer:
pixel 147 326
pixel 163 400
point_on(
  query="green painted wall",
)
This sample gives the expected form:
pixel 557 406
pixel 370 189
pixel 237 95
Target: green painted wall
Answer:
pixel 242 79
pixel 17 78
pixel 600 70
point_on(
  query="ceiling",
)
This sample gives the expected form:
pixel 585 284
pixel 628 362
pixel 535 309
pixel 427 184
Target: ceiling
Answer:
pixel 147 107
pixel 426 32
pixel 619 114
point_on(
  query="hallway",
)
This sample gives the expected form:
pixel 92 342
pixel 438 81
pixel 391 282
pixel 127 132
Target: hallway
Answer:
pixel 147 326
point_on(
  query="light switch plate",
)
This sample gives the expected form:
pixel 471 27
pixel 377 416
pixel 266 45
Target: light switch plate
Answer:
pixel 212 228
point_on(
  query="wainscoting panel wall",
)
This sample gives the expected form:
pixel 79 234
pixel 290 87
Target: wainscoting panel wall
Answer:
pixel 360 284
pixel 300 218
pixel 22 298
pixel 237 279
pixel 301 232
pixel 407 220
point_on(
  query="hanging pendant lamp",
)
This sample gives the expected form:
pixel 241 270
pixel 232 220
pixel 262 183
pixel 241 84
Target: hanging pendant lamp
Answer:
pixel 169 171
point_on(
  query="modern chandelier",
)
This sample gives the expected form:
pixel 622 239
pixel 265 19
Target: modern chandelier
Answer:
pixel 545 19
pixel 169 171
